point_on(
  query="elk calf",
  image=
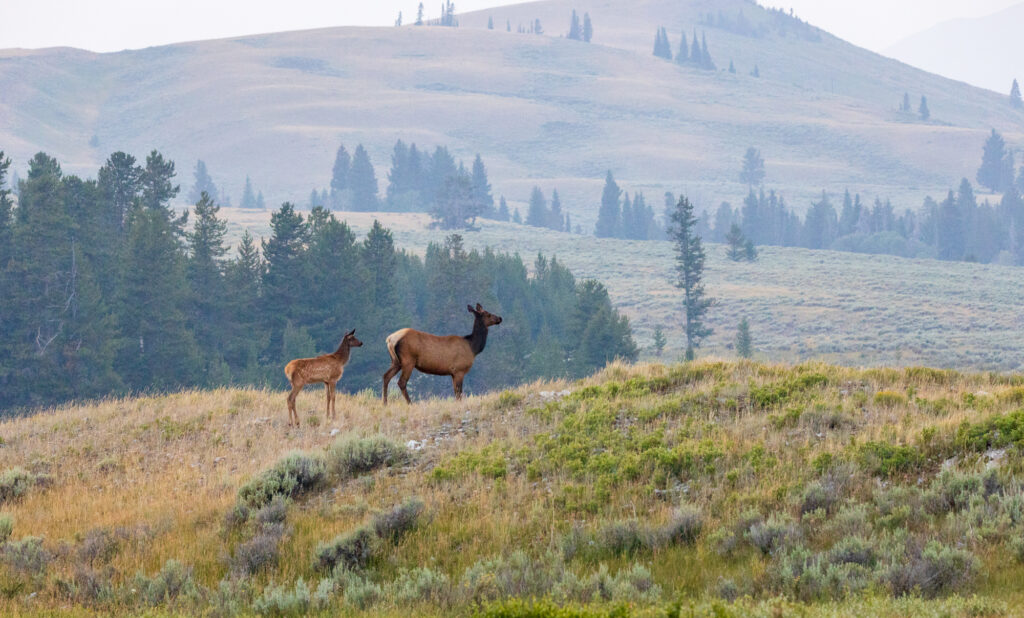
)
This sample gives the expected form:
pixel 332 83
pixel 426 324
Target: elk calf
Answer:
pixel 450 355
pixel 327 368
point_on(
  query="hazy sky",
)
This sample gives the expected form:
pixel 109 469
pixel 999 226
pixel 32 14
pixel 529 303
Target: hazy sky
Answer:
pixel 110 25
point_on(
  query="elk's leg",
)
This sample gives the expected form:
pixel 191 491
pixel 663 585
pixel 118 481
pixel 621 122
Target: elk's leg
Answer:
pixel 390 373
pixel 403 380
pixel 293 415
pixel 327 390
pixel 457 379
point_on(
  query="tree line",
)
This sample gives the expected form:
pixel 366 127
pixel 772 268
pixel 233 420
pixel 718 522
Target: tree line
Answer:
pixel 106 289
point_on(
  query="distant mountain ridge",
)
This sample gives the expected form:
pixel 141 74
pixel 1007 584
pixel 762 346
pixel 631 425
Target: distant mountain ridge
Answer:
pixel 983 51
pixel 541 110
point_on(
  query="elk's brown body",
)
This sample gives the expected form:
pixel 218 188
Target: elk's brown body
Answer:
pixel 327 368
pixel 449 355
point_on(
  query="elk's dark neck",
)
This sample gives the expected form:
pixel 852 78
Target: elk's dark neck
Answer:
pixel 478 338
pixel 343 352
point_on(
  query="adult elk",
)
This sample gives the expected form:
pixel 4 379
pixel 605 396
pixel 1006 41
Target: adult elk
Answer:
pixel 327 368
pixel 450 355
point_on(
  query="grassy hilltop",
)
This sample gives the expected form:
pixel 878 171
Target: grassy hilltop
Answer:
pixel 733 489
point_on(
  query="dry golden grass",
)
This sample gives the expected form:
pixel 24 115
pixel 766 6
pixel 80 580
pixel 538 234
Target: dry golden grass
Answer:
pixel 169 467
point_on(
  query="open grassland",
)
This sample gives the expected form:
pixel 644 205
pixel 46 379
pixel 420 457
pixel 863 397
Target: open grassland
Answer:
pixel 711 488
pixel 839 307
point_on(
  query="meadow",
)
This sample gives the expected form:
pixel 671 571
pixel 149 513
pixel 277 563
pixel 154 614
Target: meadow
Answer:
pixel 710 488
pixel 845 308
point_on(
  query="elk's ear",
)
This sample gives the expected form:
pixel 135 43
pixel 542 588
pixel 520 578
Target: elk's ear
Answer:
pixel 479 308
pixel 351 332
pixel 470 307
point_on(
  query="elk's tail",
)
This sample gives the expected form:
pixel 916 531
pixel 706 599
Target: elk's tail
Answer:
pixel 393 340
pixel 289 370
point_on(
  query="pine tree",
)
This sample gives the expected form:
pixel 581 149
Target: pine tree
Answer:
pixel 363 182
pixel 683 53
pixel 689 272
pixel 736 242
pixel 538 215
pixel 625 229
pixel 695 54
pixel 286 274
pixel 503 214
pixel 261 204
pixel 749 251
pixel 821 225
pixel 482 189
pixel 575 31
pixel 732 67
pixel 1015 100
pixel 202 184
pixel 508 25
pixel 950 238
pixel 6 216
pixel 120 181
pixel 752 173
pixel 156 181
pixel 659 341
pixel 334 299
pixel 608 218
pixel 744 346
pixel 555 217
pixel 923 110
pixel 206 308
pixel 756 72
pixel 248 197
pixel 419 15
pixel 993 173
pixel 340 173
pixel 588 28
pixel 537 28
pixel 455 207
pixel 398 22
pixel 243 338
pixel 516 217
pixel 905 106
pixel 490 23
pixel 705 56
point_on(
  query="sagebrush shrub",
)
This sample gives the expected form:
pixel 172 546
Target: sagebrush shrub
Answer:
pixel 280 601
pixel 352 550
pixel 6 527
pixel 15 483
pixel 684 526
pixel 936 570
pixel 296 474
pixel 773 534
pixel 172 584
pixel 258 553
pixel 351 455
pixel 27 555
pixel 423 585
pixel 393 524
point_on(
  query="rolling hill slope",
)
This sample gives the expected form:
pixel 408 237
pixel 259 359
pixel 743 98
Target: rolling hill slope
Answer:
pixel 540 109
pixel 815 490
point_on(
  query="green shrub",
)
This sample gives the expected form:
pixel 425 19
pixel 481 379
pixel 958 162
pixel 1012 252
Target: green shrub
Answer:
pixel 392 525
pixel 936 570
pixel 1016 547
pixel 508 400
pixel 280 601
pixel 352 550
pixel 86 585
pixel 890 399
pixel 6 527
pixel 360 592
pixel 887 460
pixel 27 555
pixel 15 483
pixel 780 393
pixel 518 608
pixel 173 584
pixel 994 432
pixel 423 585
pixel 772 535
pixel 852 550
pixel 292 476
pixel 258 553
pixel 350 455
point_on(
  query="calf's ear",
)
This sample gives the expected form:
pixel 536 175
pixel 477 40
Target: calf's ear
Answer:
pixel 351 332
pixel 470 307
pixel 479 308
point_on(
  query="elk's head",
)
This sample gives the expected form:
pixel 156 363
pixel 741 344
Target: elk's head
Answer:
pixel 350 339
pixel 489 319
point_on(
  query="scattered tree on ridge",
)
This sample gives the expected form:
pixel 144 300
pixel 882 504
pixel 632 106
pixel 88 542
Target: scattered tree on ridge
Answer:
pixel 752 173
pixel 689 272
pixel 744 345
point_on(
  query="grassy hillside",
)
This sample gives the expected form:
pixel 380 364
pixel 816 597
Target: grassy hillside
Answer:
pixel 801 304
pixel 787 487
pixel 276 106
